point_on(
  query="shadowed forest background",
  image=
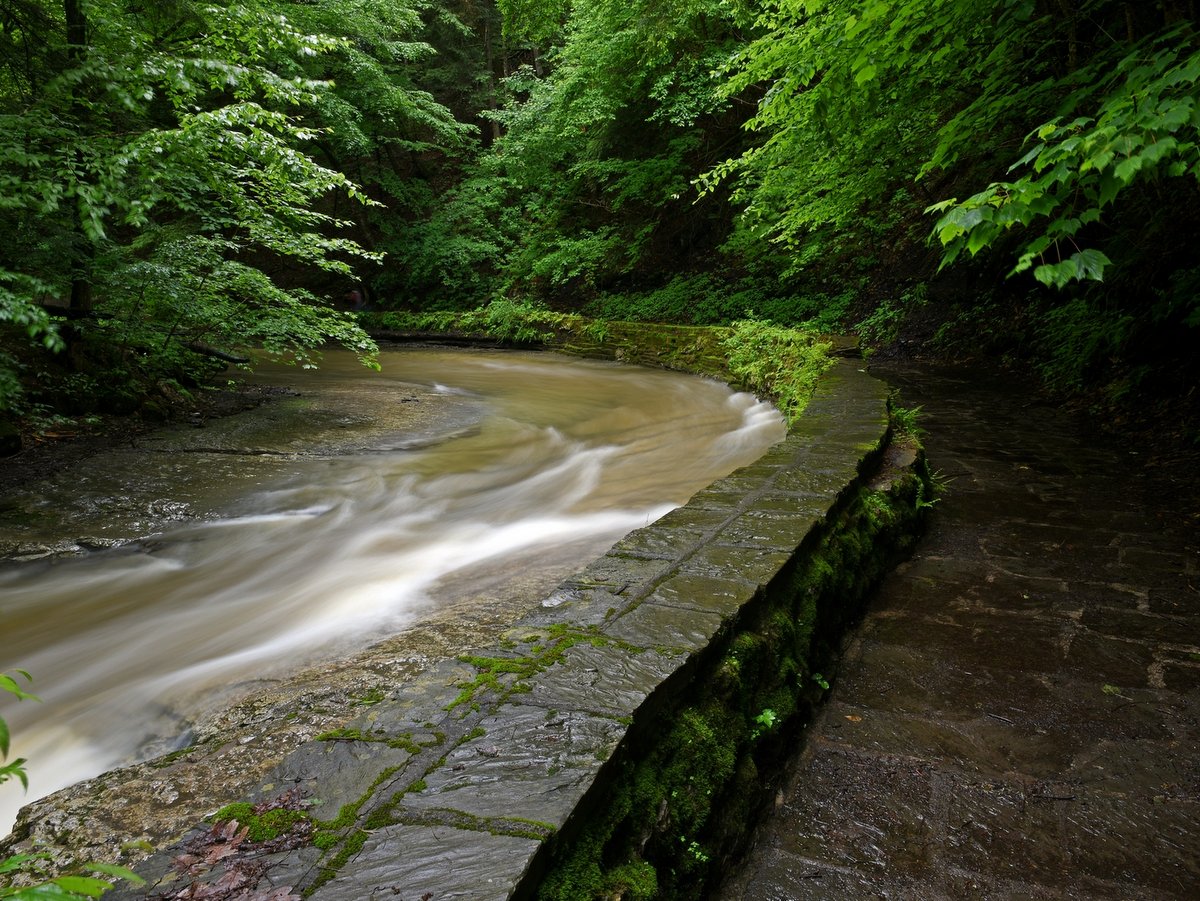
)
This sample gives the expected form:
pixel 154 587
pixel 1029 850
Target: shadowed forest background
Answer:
pixel 1008 179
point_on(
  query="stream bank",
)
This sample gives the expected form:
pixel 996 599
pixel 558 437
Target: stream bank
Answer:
pixel 162 582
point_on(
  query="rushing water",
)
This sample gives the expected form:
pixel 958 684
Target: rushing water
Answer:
pixel 337 535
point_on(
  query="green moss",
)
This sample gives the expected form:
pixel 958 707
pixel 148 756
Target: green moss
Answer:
pixel 498 664
pixel 380 817
pixel 404 742
pixel 544 651
pixel 328 833
pixel 369 698
pixel 344 734
pixel 168 759
pixel 351 847
pixel 261 827
pixel 538 824
pixel 636 881
pixel 325 839
pixel 241 810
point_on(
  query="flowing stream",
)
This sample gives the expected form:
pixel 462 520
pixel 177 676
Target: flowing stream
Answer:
pixel 320 523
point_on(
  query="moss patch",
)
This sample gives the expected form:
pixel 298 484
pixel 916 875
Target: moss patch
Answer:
pixel 404 742
pixel 260 827
pixel 505 676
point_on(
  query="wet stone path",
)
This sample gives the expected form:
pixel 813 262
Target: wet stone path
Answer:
pixel 1019 714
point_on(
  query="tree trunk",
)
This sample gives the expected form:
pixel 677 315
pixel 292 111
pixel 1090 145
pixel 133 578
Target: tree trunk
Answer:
pixel 1069 11
pixel 490 52
pixel 84 250
pixel 76 30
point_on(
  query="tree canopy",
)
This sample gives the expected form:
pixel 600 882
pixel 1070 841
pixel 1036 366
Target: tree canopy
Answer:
pixel 170 168
pixel 185 175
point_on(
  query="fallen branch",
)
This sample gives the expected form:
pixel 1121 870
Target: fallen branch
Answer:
pixel 197 347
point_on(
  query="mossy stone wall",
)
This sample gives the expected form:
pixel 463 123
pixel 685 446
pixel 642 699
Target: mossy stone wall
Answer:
pixel 694 781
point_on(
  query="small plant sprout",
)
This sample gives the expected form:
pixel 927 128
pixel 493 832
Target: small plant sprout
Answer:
pixel 695 850
pixel 32 865
pixel 765 722
pixel 905 420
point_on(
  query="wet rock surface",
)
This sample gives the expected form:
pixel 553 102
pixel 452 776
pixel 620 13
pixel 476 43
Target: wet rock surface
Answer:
pixel 1017 716
pixel 119 488
pixel 463 778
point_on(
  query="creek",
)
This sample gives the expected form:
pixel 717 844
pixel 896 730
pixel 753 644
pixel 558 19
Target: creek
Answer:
pixel 150 585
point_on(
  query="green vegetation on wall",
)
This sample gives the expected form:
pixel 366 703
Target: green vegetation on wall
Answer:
pixel 752 354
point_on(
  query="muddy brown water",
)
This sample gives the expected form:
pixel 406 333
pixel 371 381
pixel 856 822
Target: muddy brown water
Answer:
pixel 153 583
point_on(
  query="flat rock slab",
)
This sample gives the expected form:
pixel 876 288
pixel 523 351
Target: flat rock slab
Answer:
pixel 642 614
pixel 529 762
pixel 1018 716
pixel 436 861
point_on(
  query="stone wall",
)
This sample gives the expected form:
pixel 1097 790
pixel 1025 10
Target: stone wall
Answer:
pixel 752 605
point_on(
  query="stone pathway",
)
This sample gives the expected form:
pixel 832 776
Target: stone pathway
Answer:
pixel 1018 716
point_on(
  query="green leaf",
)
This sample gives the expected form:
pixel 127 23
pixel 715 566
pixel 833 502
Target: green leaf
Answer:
pixel 10 685
pixel 47 891
pixel 1178 168
pixel 1047 130
pixel 118 872
pixel 980 238
pixel 941 205
pixel 1127 168
pixel 16 861
pixel 1029 157
pixel 1089 264
pixel 1110 186
pixel 1156 151
pixel 15 770
pixel 1055 275
pixel 965 217
pixel 83 885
